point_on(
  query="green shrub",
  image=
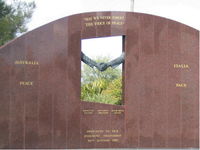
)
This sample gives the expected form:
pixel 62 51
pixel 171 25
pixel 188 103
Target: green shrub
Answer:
pixel 101 87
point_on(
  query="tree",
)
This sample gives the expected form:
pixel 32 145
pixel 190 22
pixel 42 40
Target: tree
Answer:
pixel 13 19
pixel 101 87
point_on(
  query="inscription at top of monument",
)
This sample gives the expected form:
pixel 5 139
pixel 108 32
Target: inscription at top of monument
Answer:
pixel 93 21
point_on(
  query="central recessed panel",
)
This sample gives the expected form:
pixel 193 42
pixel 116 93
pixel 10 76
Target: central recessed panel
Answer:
pixel 97 85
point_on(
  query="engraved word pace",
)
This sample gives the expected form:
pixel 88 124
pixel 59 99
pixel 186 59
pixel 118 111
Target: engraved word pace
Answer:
pixel 26 83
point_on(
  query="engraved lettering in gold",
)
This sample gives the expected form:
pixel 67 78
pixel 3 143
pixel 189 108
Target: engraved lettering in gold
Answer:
pixel 103 140
pixel 88 19
pixel 89 24
pixel 182 85
pixel 115 131
pixel 91 136
pixel 117 23
pixel 181 66
pixel 115 140
pixel 118 17
pixel 25 62
pixel 112 135
pixel 108 135
pixel 117 112
pixel 99 23
pixel 88 111
pixel 26 83
pixel 91 140
pixel 103 112
pixel 103 20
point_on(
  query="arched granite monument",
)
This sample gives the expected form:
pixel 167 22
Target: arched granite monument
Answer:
pixel 40 104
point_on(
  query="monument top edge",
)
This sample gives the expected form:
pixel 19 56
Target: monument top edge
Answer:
pixel 97 13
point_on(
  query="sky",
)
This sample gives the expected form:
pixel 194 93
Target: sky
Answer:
pixel 50 10
pixel 184 11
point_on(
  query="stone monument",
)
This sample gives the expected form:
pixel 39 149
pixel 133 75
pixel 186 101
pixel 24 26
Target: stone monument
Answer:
pixel 40 105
